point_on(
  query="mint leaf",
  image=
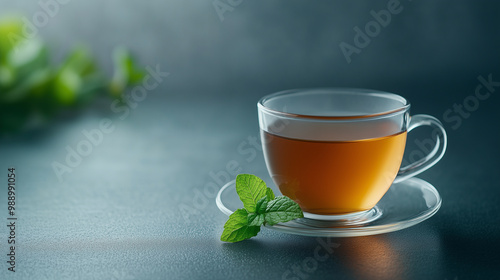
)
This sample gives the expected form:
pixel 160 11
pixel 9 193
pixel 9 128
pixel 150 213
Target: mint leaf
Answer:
pixel 125 73
pixel 237 228
pixel 262 205
pixel 270 194
pixel 255 219
pixel 282 209
pixel 250 189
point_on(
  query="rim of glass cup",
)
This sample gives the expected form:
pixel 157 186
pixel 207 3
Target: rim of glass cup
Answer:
pixel 355 91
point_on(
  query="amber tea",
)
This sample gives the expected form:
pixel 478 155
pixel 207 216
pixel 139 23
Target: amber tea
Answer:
pixel 334 177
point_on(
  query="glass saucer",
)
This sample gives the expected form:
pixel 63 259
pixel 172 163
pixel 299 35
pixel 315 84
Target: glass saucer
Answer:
pixel 406 204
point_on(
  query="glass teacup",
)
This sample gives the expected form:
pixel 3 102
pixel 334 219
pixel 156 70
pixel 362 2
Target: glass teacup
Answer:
pixel 337 151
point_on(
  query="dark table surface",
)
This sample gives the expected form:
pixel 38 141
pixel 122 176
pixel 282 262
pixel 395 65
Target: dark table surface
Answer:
pixel 139 205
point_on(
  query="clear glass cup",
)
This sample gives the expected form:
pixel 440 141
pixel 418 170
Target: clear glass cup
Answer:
pixel 336 151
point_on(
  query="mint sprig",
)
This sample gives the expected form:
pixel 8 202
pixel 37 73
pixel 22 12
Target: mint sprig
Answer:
pixel 33 89
pixel 261 207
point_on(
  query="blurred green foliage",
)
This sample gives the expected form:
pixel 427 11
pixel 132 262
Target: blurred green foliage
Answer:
pixel 33 90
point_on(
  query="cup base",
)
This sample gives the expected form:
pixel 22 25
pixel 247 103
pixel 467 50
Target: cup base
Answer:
pixel 351 219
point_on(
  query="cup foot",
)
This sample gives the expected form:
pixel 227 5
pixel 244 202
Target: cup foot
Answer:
pixel 352 219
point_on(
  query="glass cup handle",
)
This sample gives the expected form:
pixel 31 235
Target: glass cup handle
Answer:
pixel 434 156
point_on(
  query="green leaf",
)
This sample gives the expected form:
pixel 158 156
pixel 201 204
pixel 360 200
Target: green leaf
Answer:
pixel 237 227
pixel 7 76
pixel 270 194
pixel 125 72
pixel 255 219
pixel 262 205
pixel 250 189
pixel 78 70
pixel 282 209
pixel 80 61
pixel 11 34
pixel 32 54
pixel 67 84
pixel 23 88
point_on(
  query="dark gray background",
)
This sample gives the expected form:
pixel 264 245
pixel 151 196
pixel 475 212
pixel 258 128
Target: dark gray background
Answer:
pixel 118 215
